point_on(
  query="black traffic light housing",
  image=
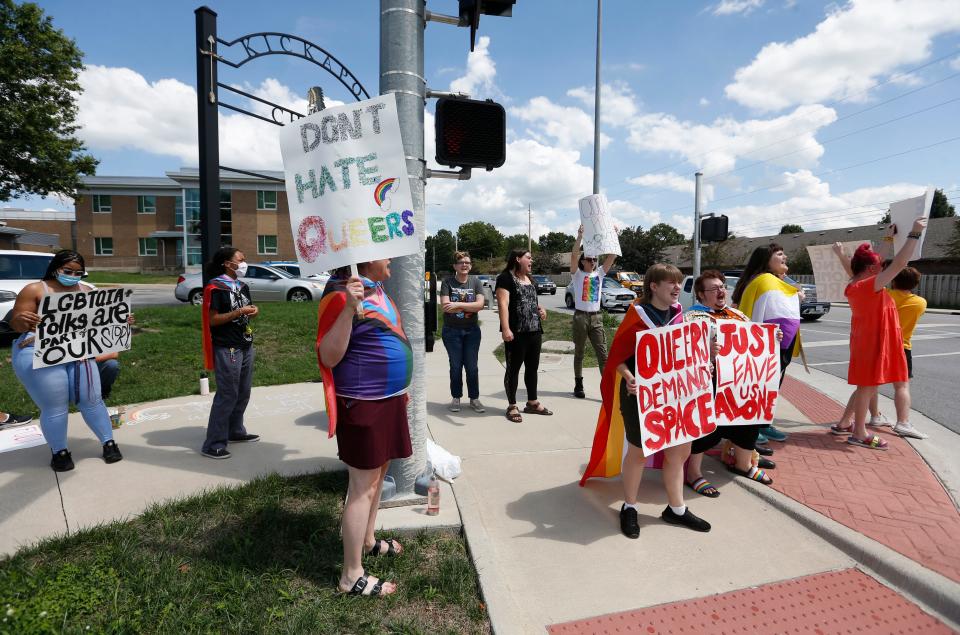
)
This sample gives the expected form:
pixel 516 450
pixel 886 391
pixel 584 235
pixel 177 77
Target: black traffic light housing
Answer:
pixel 713 229
pixel 470 133
pixel 470 11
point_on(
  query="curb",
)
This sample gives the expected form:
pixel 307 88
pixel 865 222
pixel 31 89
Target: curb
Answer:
pixel 935 593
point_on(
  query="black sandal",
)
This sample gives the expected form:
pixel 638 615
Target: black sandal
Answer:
pixel 537 409
pixel 515 417
pixel 393 548
pixel 361 585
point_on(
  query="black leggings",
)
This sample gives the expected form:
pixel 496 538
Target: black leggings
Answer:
pixel 786 356
pixel 525 350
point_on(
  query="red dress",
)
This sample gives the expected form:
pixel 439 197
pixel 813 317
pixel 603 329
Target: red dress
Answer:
pixel 876 345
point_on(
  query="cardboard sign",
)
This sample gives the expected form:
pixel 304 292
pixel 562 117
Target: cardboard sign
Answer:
pixel 675 395
pixel 20 438
pixel 748 373
pixel 347 186
pixel 828 272
pixel 80 325
pixel 903 213
pixel 599 234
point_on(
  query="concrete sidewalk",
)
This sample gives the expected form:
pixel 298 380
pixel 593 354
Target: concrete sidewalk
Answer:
pixel 547 551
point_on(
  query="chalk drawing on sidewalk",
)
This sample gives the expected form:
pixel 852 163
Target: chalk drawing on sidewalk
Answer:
pixel 199 411
pixel 21 438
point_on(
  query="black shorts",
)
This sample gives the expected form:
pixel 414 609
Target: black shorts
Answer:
pixel 631 416
pixel 909 354
pixel 741 436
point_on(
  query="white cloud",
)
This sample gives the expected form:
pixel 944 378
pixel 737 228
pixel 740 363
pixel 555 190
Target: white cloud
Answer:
pixel 704 101
pixel 617 102
pixel 671 181
pixel 570 127
pixel 481 71
pixel 716 147
pixel 729 7
pixel 850 50
pixel 955 63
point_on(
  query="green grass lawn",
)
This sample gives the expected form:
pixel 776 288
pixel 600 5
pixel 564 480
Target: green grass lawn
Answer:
pixel 559 326
pixel 166 357
pixel 260 558
pixel 119 277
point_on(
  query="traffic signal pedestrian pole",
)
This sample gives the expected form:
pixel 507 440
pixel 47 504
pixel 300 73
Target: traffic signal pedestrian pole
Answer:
pixel 596 105
pixel 401 73
pixel 696 224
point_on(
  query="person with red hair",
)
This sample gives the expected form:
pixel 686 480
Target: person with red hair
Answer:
pixel 876 345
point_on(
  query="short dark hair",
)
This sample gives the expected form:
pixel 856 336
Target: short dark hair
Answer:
pixel 907 279
pixel 700 283
pixel 513 259
pixel 61 258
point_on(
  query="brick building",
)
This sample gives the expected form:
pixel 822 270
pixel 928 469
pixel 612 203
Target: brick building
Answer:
pixel 36 230
pixel 137 223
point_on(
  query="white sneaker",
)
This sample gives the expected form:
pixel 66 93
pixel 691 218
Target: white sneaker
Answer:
pixel 454 405
pixel 907 430
pixel 880 421
pixel 477 406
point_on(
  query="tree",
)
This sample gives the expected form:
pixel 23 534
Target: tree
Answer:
pixel 640 249
pixel 799 262
pixel 939 208
pixel 953 243
pixel 517 241
pixel 38 88
pixel 791 228
pixel 441 244
pixel 556 242
pixel 481 239
pixel 666 235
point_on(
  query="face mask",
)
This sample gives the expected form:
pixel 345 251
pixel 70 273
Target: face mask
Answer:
pixel 66 280
pixel 241 269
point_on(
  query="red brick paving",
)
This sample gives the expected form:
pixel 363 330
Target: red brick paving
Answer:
pixel 846 601
pixel 892 497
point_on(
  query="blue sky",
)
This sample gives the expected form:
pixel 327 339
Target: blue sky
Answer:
pixel 779 102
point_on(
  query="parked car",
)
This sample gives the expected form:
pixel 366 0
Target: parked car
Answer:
pixel 293 268
pixel 266 284
pixel 630 279
pixel 544 285
pixel 688 297
pixel 613 295
pixel 487 281
pixel 811 309
pixel 17 270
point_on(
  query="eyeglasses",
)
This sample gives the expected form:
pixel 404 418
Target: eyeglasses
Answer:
pixel 75 272
pixel 589 259
pixel 463 262
pixel 712 289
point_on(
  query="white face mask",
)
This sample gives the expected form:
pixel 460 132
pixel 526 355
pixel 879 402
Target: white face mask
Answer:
pixel 241 269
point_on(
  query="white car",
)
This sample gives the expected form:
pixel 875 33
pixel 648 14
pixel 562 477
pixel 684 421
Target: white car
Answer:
pixel 613 295
pixel 293 269
pixel 266 284
pixel 17 270
pixel 688 297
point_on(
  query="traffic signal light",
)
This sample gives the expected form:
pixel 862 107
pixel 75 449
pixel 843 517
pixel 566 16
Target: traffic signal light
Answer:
pixel 470 133
pixel 470 11
pixel 713 229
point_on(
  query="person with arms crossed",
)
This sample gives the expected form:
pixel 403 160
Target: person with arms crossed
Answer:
pixel 461 297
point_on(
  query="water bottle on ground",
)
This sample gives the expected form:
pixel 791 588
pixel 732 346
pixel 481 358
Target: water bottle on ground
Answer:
pixel 433 496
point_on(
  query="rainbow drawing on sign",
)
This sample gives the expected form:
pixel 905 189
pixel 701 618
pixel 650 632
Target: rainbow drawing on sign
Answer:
pixel 381 191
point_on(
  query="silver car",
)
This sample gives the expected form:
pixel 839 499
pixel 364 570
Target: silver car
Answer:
pixel 613 295
pixel 266 284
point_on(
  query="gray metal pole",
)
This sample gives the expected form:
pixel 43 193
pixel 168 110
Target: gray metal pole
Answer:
pixel 696 225
pixel 208 132
pixel 529 227
pixel 596 106
pixel 401 73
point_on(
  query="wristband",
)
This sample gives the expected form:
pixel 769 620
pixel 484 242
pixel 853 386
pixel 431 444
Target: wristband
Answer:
pixel 914 235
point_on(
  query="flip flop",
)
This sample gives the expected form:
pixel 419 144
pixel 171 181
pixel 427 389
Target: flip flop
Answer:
pixel 840 431
pixel 360 587
pixel 871 443
pixel 515 416
pixel 538 409
pixel 759 476
pixel 704 487
pixel 393 548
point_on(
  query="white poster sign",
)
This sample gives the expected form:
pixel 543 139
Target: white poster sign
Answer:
pixel 347 186
pixel 599 234
pixel 20 438
pixel 903 213
pixel 748 373
pixel 81 324
pixel 828 272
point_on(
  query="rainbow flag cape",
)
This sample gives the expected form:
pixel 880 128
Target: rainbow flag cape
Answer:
pixel 769 299
pixel 208 290
pixel 606 457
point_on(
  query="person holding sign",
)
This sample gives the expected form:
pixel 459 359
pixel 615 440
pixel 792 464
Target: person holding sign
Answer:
pixel 228 350
pixel 54 388
pixel 620 417
pixel 366 364
pixel 520 326
pixel 587 319
pixel 763 296
pixel 461 297
pixel 876 346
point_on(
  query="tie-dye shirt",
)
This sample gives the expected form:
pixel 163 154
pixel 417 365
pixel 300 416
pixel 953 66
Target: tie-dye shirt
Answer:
pixel 378 362
pixel 586 287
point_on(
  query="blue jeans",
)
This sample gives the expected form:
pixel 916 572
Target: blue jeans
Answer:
pixel 463 347
pixel 54 388
pixel 233 369
pixel 109 369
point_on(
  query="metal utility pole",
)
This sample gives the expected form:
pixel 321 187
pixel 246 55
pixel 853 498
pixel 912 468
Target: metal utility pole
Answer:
pixel 529 226
pixel 596 106
pixel 696 225
pixel 401 73
pixel 208 124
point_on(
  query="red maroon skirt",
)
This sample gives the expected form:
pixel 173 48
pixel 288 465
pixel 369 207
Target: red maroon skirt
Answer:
pixel 370 433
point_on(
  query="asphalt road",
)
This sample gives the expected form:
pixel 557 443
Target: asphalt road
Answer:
pixel 155 295
pixel 936 357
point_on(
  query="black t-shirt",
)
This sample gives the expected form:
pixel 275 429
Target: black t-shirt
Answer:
pixel 235 333
pixel 458 291
pixel 524 310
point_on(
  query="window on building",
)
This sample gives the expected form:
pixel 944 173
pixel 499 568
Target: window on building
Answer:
pixel 266 200
pixel 146 204
pixel 191 206
pixel 267 245
pixel 148 246
pixel 226 218
pixel 194 253
pixel 102 204
pixel 103 246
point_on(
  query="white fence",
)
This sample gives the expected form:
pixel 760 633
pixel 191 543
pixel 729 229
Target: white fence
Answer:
pixel 939 290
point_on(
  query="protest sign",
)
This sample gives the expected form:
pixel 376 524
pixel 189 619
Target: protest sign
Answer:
pixel 828 272
pixel 347 186
pixel 748 373
pixel 903 213
pixel 21 438
pixel 599 234
pixel 81 324
pixel 675 393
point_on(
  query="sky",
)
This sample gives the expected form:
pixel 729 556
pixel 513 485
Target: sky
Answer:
pixel 796 111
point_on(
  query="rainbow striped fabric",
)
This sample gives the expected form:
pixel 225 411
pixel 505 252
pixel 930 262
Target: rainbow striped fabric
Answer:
pixel 591 289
